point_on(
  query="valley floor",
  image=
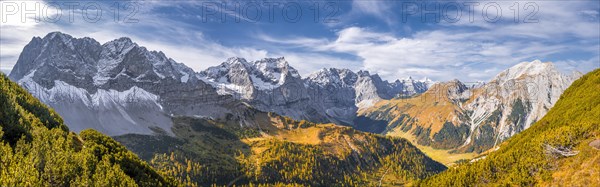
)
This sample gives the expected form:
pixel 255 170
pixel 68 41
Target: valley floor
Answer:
pixel 441 155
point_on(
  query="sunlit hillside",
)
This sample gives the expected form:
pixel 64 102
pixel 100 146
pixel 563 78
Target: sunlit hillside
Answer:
pixel 562 148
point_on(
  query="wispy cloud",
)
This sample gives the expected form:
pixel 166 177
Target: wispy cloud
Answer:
pixel 459 51
pixel 379 9
pixel 567 33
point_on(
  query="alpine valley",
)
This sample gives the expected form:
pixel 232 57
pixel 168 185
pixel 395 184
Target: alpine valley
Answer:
pixel 260 122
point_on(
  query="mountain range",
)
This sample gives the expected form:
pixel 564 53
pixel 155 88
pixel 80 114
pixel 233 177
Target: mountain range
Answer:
pixel 122 88
pixel 260 122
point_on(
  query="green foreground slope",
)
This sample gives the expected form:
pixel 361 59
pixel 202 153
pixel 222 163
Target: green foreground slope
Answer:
pixel 37 149
pixel 557 150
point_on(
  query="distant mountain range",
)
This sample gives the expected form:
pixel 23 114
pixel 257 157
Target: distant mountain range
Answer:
pixel 120 88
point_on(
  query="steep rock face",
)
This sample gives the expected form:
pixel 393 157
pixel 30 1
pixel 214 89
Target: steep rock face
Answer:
pixel 466 119
pixel 332 91
pixel 515 99
pixel 58 57
pixel 369 89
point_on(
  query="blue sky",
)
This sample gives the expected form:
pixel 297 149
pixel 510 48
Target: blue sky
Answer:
pixel 468 40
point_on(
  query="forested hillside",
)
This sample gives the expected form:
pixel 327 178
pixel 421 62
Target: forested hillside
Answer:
pixel 281 150
pixel 37 149
pixel 561 149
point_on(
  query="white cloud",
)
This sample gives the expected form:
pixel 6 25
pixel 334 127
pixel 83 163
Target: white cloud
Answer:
pixel 392 57
pixel 5 69
pixel 380 10
pixel 294 41
pixel 442 56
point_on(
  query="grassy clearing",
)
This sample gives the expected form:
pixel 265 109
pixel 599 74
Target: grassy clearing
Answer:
pixel 440 155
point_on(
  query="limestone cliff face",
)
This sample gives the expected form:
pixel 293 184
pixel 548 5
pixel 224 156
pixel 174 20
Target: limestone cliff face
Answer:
pixel 453 116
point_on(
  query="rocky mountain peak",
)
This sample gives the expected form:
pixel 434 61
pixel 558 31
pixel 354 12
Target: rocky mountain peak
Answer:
pixel 363 73
pixel 61 39
pixel 453 90
pixel 452 87
pixel 57 56
pixel 332 76
pixel 525 69
pixel 577 73
pixel 120 45
pixel 123 40
pixel 58 35
pixel 276 69
pixel 235 60
pixel 377 78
